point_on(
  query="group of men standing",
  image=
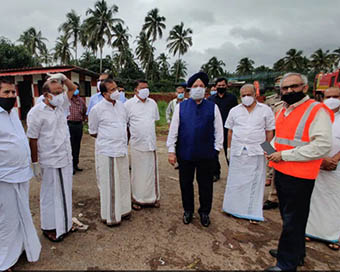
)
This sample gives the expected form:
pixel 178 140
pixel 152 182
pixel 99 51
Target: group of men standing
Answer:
pixel 199 129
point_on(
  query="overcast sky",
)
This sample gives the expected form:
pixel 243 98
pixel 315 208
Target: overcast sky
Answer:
pixel 262 30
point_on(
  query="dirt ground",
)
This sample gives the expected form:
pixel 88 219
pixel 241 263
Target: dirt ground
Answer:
pixel 156 239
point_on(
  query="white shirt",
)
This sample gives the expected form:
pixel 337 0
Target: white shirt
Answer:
pixel 41 99
pixel 15 154
pixel 95 98
pixel 109 122
pixel 173 131
pixel 49 126
pixel 336 135
pixel 249 128
pixel 141 122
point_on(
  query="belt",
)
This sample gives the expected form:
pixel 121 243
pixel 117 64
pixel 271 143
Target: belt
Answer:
pixel 74 122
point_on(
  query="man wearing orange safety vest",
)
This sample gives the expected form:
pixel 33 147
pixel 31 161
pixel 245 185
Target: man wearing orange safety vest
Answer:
pixel 303 137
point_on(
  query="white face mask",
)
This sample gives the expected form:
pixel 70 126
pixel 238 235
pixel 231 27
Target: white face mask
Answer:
pixel 332 103
pixel 143 93
pixel 197 93
pixel 247 100
pixel 57 100
pixel 115 95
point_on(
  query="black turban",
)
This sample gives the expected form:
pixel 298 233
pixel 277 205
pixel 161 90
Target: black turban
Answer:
pixel 200 75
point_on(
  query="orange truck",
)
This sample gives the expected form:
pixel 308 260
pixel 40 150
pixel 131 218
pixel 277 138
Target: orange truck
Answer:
pixel 323 81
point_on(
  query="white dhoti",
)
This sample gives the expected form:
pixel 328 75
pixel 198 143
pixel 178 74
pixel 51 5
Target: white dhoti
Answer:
pixel 114 187
pixel 324 214
pixel 144 180
pixel 17 232
pixel 243 196
pixel 56 199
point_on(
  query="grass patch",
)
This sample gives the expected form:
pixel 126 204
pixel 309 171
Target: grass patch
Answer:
pixel 161 124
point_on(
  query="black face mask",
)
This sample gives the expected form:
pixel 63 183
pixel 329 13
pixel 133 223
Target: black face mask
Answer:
pixel 292 97
pixel 7 103
pixel 221 90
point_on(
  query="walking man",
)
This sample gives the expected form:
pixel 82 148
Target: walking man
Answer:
pixel 180 90
pixel 195 136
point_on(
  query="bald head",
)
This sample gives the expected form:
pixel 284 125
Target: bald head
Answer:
pixel 332 92
pixel 247 89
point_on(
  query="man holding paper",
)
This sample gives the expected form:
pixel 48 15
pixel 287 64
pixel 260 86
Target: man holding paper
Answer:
pixel 249 124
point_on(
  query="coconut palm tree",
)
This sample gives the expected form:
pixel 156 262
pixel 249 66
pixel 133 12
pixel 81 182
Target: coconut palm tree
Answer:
pixel 46 57
pixel 179 42
pixel 153 26
pixel 72 28
pixel 179 69
pixel 245 66
pixel 336 57
pixel 294 60
pixel 62 50
pixel 214 68
pixel 121 41
pixel 164 65
pixel 321 61
pixel 33 41
pixel 144 50
pixel 98 27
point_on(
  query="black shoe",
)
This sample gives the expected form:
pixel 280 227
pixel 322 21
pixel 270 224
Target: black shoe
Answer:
pixel 270 205
pixel 273 268
pixel 187 217
pixel 205 220
pixel 77 169
pixel 216 178
pixel 273 252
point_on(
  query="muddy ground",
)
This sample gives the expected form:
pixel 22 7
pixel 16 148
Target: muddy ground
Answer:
pixel 156 239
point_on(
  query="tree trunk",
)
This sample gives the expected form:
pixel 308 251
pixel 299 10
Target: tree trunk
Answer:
pixel 101 60
pixel 177 70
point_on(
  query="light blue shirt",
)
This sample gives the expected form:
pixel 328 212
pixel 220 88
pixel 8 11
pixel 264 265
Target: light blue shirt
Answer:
pixel 97 97
pixel 15 154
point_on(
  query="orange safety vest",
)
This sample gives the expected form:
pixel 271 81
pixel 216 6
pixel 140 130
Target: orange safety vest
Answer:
pixel 293 131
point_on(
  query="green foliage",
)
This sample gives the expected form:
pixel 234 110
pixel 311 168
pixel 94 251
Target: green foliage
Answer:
pixel 161 124
pixel 15 56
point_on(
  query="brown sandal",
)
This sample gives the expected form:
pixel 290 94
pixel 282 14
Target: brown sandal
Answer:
pixel 52 236
pixel 334 246
pixel 136 207
pixel 157 204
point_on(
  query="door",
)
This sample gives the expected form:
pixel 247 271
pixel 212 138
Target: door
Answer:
pixel 26 99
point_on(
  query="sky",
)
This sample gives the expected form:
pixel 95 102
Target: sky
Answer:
pixel 263 30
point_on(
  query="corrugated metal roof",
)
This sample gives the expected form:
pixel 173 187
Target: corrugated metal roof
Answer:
pixel 34 72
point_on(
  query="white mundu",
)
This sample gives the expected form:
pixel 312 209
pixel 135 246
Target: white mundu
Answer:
pixel 324 220
pixel 109 123
pixel 17 232
pixel 247 169
pixel 141 122
pixel 49 126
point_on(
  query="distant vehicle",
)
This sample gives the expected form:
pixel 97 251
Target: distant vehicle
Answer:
pixel 323 81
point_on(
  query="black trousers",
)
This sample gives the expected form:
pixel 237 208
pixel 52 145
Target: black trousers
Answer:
pixel 204 175
pixel 217 167
pixel 76 133
pixel 294 200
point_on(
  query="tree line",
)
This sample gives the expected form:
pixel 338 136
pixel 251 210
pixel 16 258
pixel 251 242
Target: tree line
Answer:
pixel 101 27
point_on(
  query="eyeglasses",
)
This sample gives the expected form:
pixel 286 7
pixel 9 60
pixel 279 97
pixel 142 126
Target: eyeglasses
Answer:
pixel 293 87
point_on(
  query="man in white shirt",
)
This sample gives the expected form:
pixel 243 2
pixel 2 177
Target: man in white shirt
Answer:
pixel 108 124
pixel 249 124
pixel 49 138
pixel 17 232
pixel 195 137
pixel 142 114
pixel 324 220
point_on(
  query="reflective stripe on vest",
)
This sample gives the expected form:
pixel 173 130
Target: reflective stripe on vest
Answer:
pixel 299 131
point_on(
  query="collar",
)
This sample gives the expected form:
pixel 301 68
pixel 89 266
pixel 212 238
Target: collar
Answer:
pixel 1 109
pixel 138 100
pixel 108 102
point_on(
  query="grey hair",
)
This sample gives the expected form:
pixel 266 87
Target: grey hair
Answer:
pixel 303 77
pixel 248 85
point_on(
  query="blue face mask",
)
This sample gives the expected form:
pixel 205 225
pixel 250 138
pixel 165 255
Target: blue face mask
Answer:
pixel 76 92
pixel 213 92
pixel 180 95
